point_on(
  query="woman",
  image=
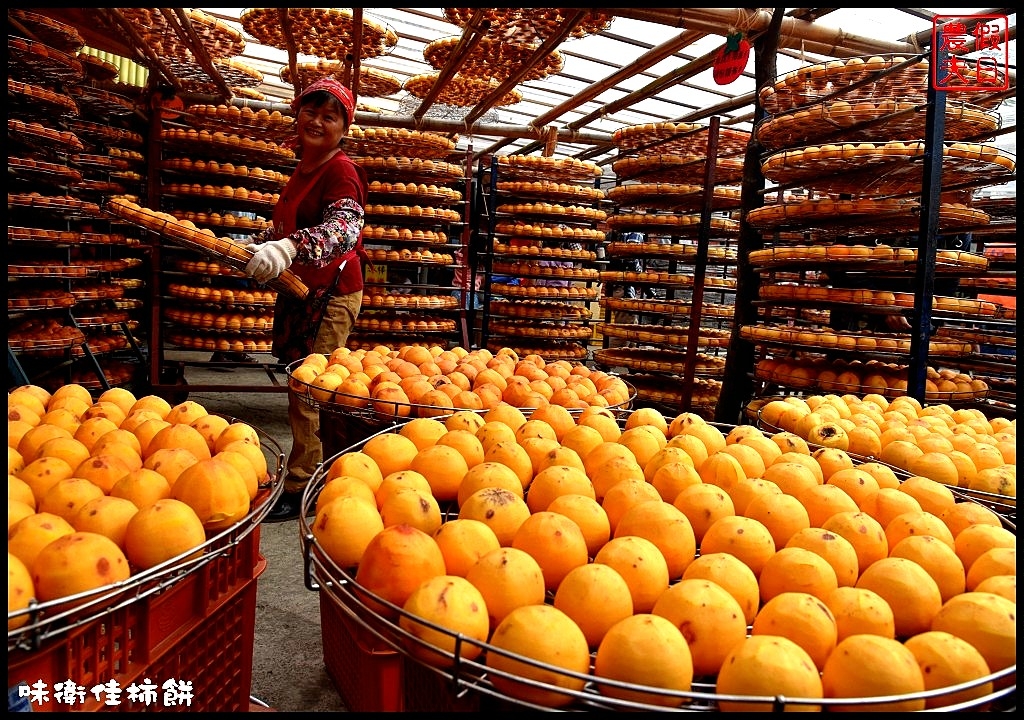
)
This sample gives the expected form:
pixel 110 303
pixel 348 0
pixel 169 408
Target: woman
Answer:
pixel 317 233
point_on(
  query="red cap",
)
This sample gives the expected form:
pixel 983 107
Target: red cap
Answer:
pixel 335 88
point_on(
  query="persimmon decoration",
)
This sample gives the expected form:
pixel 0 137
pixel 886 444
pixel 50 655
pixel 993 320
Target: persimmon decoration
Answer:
pixel 731 59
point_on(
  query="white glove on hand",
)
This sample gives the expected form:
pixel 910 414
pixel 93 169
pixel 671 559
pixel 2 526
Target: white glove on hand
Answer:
pixel 271 259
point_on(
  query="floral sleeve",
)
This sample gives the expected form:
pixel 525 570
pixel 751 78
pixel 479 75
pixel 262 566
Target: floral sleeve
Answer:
pixel 336 235
pixel 265 235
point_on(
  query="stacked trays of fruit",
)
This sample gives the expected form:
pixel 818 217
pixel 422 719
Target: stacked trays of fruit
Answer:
pixel 127 513
pixel 633 561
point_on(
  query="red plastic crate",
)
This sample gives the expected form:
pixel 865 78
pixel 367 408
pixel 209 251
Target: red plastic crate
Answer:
pixel 200 629
pixel 427 691
pixel 366 671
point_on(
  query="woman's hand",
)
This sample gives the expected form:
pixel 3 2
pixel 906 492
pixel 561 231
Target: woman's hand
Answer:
pixel 270 260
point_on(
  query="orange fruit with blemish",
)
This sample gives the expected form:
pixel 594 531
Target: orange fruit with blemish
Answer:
pixel 596 597
pixel 917 522
pixel 937 558
pixel 557 417
pixel 142 487
pixel 704 504
pixel 104 470
pixel 824 501
pixel 833 548
pixel 857 483
pixel 356 464
pixel 555 541
pixel 76 563
pixel 768 665
pixel 66 496
pixel 411 506
pixel 743 537
pixel 423 431
pixel 106 515
pixel 911 592
pixel 667 527
pixel 946 660
pixel 455 610
pixel 43 473
pixel 556 480
pixel 462 542
pixel 31 534
pixel 644 650
pixel 733 575
pixel 493 432
pixel 745 490
pixel 796 570
pixel 344 527
pixel 591 518
pixel 508 578
pixel 391 452
pixel 801 617
pixel 185 412
pixel 170 462
pixel 986 621
pixel 502 510
pixel 859 610
pixel 346 485
pixel 215 490
pixel 641 565
pixel 488 474
pixel 464 420
pixel 515 457
pixel 34 437
pixel 709 618
pixel 863 532
pixel 537 448
pixel 546 634
pixel 851 671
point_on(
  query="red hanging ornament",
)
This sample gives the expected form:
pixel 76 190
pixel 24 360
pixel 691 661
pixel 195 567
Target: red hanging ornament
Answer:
pixel 731 59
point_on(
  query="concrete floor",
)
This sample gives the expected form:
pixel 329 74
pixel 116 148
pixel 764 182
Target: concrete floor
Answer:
pixel 288 673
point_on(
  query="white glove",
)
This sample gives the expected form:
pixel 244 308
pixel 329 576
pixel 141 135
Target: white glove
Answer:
pixel 271 259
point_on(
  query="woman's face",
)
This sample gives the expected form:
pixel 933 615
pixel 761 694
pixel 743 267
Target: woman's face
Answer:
pixel 321 127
